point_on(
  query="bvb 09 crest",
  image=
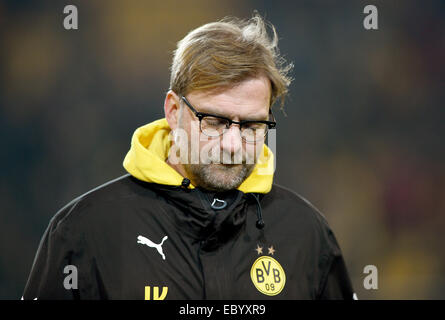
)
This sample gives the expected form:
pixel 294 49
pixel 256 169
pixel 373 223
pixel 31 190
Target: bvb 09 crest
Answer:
pixel 268 276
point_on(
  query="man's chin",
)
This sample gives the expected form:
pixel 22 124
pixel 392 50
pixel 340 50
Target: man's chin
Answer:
pixel 220 177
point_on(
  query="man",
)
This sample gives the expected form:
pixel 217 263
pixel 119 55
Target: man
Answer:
pixel 198 216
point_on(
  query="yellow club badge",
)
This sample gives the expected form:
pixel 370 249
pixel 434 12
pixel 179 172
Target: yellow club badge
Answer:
pixel 268 275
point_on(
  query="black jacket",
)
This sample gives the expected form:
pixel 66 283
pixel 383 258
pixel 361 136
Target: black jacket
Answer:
pixel 134 239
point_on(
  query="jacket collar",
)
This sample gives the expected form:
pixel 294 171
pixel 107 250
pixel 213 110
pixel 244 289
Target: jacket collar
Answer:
pixel 191 213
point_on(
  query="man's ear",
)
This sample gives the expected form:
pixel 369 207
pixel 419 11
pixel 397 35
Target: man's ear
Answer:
pixel 171 109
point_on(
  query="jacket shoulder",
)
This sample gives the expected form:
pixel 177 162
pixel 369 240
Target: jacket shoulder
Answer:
pixel 88 206
pixel 300 205
pixel 300 215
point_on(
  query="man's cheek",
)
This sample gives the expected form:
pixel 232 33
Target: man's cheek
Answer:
pixel 253 152
pixel 209 152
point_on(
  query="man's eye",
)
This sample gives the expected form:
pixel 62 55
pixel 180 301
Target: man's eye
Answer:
pixel 215 122
pixel 254 126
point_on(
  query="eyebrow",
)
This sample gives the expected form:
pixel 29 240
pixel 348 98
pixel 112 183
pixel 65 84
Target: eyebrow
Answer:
pixel 216 113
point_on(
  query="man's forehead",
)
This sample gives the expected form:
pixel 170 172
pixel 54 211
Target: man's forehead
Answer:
pixel 236 110
pixel 249 98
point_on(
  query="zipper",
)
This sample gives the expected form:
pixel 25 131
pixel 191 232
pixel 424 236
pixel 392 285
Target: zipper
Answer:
pixel 202 270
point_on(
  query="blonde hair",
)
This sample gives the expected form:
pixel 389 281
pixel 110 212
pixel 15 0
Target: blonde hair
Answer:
pixel 224 53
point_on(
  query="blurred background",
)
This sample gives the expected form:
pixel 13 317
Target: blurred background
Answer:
pixel 362 139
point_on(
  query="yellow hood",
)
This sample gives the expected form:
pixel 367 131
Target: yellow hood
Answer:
pixel 150 145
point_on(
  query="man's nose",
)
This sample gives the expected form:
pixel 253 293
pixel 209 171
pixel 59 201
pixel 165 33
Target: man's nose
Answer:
pixel 231 139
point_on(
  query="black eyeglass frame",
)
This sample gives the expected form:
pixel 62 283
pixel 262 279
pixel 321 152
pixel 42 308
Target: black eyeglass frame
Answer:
pixel 201 115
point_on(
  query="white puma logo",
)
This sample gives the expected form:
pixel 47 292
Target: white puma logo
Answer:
pixel 148 242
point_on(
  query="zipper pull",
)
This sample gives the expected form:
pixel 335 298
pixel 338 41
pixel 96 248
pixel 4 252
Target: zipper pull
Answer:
pixel 222 204
pixel 185 184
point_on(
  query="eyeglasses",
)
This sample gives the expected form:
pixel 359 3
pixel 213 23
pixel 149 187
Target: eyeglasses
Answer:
pixel 215 126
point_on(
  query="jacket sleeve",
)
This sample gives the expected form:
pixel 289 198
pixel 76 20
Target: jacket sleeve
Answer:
pixel 61 266
pixel 335 283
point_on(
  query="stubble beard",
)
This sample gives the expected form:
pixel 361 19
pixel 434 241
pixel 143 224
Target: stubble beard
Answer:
pixel 218 177
pixel 214 175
